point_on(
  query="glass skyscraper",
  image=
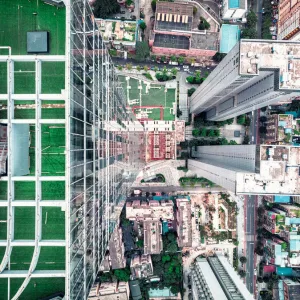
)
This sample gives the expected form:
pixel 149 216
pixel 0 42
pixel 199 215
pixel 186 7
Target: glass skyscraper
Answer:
pixel 70 149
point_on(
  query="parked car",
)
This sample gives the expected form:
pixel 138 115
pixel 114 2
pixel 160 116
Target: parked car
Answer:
pixel 123 12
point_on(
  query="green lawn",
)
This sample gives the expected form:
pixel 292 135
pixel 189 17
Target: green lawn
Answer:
pixel 24 77
pixel 156 96
pixel 155 115
pixel 51 258
pixel 53 223
pixel 53 77
pixel 21 257
pixel 24 190
pixel 38 288
pixel 24 223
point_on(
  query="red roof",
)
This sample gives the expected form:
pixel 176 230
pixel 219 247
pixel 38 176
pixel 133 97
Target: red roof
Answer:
pixel 269 269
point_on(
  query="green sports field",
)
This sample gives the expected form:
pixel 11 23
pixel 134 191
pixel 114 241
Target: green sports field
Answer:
pixel 145 93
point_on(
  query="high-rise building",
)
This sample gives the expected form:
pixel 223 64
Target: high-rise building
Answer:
pixel 72 149
pixel 254 74
pixel 288 20
pixel 249 169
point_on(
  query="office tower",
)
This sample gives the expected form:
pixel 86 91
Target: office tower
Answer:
pixel 254 74
pixel 72 150
pixel 249 169
pixel 288 20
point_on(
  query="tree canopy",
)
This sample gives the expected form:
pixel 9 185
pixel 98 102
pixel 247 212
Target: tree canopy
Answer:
pixel 104 8
pixel 122 274
pixel 142 50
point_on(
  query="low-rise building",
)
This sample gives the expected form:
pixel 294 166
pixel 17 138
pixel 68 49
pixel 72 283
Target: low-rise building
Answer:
pixel 278 127
pixel 174 32
pixel 116 250
pixel 183 222
pixel 233 10
pixel 152 237
pixel 121 35
pixel 109 291
pixel 141 266
pixel 138 210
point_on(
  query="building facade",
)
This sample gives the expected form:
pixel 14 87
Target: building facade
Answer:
pixel 67 123
pixel 249 169
pixel 288 20
pixel 254 74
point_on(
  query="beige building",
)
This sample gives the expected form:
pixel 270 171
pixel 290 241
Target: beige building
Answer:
pixel 140 210
pixel 116 250
pixel 183 222
pixel 141 266
pixel 110 291
pixel 152 237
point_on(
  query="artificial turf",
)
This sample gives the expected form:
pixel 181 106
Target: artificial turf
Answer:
pixel 3 288
pixel 24 190
pixel 53 190
pixel 24 225
pixel 21 258
pixel 3 226
pixel 37 288
pixel 3 190
pixel 51 258
pixel 53 223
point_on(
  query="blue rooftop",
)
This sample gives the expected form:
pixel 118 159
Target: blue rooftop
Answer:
pixel 282 199
pixel 234 4
pixel 288 130
pixel 230 35
pixel 284 271
pixel 294 245
pixel 158 293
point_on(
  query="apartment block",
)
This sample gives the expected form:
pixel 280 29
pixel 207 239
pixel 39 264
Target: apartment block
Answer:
pixel 152 237
pixel 138 210
pixel 254 74
pixel 141 266
pixel 250 169
pixel 116 250
pixel 110 291
pixel 183 222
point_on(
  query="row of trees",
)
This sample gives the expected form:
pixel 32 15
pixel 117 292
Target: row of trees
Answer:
pixel 250 31
pixel 205 142
pixel 206 132
pixel 201 121
pixel 243 120
pixel 192 181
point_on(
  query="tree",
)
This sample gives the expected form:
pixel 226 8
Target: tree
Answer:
pixel 211 133
pixel 243 259
pixel 180 60
pixel 249 33
pixel 173 58
pixel 120 68
pixel 260 279
pixel 172 247
pixel 129 67
pixel 260 211
pixel 142 50
pixel 263 130
pixel 263 119
pixel 241 119
pixel 229 121
pixel 122 274
pixel 104 8
pixel 166 258
pixel 163 59
pixel 203 24
pixel 143 25
pixel 174 71
pixel 153 5
pixel 251 19
pixel 140 243
pixel 155 69
pixel 219 56
pixel 138 68
pixel 191 91
pixel 242 273
pixel 175 289
pixel 195 10
pixel 145 68
pixel 196 132
pixel 190 79
pixel 266 279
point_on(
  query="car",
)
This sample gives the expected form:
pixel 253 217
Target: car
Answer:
pixel 123 12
